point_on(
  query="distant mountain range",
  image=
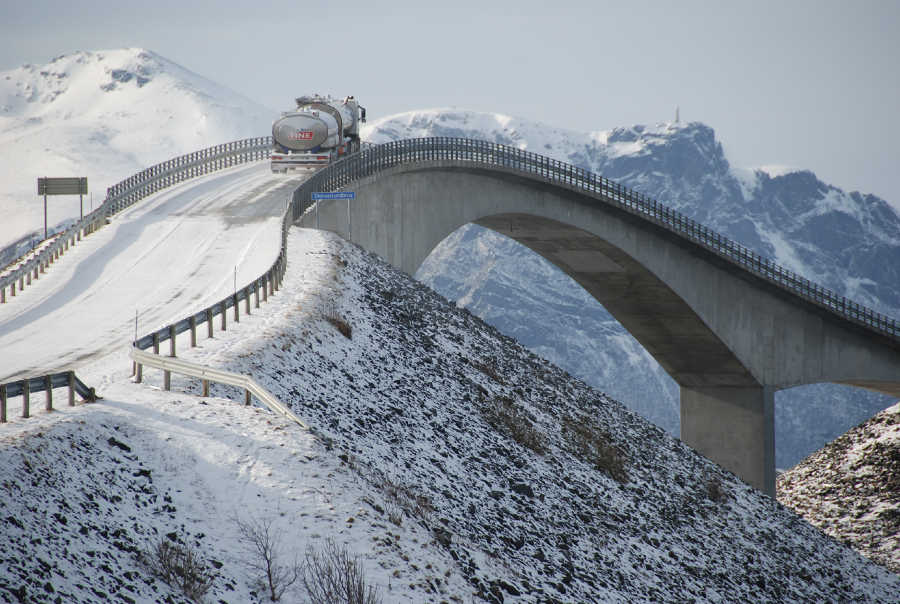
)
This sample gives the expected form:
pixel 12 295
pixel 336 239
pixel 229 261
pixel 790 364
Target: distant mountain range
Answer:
pixel 848 242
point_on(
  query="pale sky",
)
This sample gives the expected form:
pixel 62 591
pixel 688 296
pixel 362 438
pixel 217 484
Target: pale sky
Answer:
pixel 809 84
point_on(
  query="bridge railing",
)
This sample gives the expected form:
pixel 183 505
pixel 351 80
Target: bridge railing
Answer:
pixel 130 190
pixel 373 160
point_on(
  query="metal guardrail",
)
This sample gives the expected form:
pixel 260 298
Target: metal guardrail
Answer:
pixel 208 374
pixel 45 383
pixel 495 156
pixel 132 189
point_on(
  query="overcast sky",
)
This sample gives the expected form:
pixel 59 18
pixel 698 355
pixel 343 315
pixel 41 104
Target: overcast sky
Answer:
pixel 809 84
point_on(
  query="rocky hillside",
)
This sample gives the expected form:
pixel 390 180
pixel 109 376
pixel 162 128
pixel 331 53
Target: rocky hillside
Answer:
pixel 849 242
pixel 457 465
pixel 851 488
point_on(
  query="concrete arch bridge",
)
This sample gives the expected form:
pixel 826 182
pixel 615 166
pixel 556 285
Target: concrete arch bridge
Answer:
pixel 729 326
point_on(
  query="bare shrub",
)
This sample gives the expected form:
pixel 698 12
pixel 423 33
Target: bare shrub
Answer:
pixel 502 415
pixel 179 565
pixel 263 545
pixel 332 575
pixel 593 445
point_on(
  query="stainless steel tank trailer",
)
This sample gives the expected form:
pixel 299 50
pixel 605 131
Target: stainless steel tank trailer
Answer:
pixel 319 131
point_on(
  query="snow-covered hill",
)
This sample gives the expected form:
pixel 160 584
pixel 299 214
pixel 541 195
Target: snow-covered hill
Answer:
pixel 104 115
pixel 457 464
pixel 847 241
pixel 851 488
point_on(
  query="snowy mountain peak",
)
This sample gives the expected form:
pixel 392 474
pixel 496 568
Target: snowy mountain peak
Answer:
pixel 106 115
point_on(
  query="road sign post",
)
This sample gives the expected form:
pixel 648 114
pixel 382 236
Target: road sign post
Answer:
pixel 76 185
pixel 348 195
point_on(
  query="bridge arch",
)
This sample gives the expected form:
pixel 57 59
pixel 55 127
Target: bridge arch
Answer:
pixel 729 332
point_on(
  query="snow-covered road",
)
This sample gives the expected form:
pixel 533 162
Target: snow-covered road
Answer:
pixel 167 256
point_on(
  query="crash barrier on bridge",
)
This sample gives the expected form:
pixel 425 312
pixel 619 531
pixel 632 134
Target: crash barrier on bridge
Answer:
pixel 45 383
pixel 208 374
pixel 494 156
pixel 127 192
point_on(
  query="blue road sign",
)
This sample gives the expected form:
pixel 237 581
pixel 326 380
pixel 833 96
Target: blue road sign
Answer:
pixel 335 195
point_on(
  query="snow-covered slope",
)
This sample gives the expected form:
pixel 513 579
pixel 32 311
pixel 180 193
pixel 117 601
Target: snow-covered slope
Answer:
pixel 851 488
pixel 104 115
pixel 847 241
pixel 460 466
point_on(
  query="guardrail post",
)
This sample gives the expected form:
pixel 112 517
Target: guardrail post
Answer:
pixel 209 322
pixel 139 376
pixel 172 340
pixel 21 283
pixel 167 379
pixel 28 280
pixel 193 322
pixel 48 384
pixel 3 403
pixel 156 343
pixel 204 386
pixel 246 396
pixel 256 291
pixel 71 388
pixel 247 300
pixel 26 403
pixel 3 295
pixel 265 287
pixel 224 313
pixel 237 308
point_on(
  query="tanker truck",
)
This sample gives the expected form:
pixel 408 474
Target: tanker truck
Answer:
pixel 320 130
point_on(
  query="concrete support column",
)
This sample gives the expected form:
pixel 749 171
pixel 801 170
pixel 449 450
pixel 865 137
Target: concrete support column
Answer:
pixel 734 427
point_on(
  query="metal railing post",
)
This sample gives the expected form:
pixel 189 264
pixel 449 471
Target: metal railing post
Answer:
pixel 26 403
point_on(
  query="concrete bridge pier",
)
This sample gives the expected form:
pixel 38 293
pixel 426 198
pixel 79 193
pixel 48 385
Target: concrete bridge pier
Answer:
pixel 735 427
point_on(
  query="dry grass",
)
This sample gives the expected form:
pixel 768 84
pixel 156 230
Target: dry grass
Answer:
pixel 503 416
pixel 341 325
pixel 593 445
